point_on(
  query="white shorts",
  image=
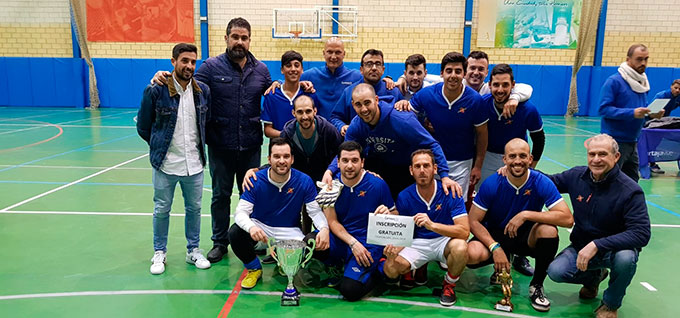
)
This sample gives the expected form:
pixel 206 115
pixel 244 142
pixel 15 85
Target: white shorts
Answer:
pixel 424 250
pixel 459 171
pixel 492 161
pixel 281 233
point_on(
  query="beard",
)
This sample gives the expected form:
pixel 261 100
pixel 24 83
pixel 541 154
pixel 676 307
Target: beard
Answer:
pixel 237 52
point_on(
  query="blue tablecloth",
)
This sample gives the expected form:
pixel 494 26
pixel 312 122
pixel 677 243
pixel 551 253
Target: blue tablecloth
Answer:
pixel 656 145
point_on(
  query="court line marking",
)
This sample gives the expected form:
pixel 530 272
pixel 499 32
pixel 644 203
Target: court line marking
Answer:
pixel 96 213
pixel 72 126
pixel 42 113
pixel 226 308
pixel 73 167
pixel 62 123
pixel 72 183
pixel 67 152
pixel 261 293
pixel 61 131
pixel 574 128
pixel 567 135
pixel 648 286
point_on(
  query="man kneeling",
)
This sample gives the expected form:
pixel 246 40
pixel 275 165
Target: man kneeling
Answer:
pixel 506 218
pixel 271 208
pixel 442 227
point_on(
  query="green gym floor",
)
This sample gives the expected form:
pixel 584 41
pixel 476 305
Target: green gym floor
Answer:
pixel 75 226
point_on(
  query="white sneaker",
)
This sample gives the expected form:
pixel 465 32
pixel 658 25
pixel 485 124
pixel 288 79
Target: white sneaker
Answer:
pixel 196 257
pixel 158 263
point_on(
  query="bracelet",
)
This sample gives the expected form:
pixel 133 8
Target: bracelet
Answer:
pixel 351 245
pixel 493 246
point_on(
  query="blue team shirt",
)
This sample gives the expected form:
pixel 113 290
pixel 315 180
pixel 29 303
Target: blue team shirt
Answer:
pixel 454 125
pixel 442 208
pixel 277 108
pixel 343 112
pixel 394 138
pixel 502 130
pixel 502 201
pixel 280 207
pixel 329 86
pixel 355 203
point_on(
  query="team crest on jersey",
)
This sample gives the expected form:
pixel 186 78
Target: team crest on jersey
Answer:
pixel 527 192
pixel 438 207
pixel 462 110
pixel 290 190
pixel 362 193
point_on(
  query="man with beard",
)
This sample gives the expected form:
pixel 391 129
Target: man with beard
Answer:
pixel 623 107
pixel 271 208
pixel 171 120
pixel 362 193
pixel 372 69
pixel 277 108
pixel 611 226
pixel 388 138
pixel 314 142
pixel 506 217
pixel 442 231
pixel 502 130
pixel 234 133
pixel 459 122
pixel 415 76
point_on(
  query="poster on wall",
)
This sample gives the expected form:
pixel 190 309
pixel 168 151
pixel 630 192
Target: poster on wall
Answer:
pixel 140 21
pixel 530 24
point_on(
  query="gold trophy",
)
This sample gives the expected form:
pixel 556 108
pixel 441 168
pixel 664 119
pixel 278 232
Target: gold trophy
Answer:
pixel 505 280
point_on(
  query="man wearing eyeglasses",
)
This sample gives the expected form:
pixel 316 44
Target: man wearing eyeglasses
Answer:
pixel 372 68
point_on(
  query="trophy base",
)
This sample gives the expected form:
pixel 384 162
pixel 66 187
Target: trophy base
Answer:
pixel 290 297
pixel 506 308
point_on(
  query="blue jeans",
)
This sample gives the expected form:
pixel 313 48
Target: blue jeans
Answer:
pixel 622 264
pixel 164 190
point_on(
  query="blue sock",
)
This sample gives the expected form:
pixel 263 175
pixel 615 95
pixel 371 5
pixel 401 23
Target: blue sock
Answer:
pixel 254 264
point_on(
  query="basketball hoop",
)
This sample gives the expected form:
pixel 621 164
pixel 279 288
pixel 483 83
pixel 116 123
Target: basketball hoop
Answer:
pixel 295 36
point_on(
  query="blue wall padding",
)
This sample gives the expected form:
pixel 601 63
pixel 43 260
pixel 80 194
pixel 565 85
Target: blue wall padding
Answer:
pixel 62 82
pixel 51 82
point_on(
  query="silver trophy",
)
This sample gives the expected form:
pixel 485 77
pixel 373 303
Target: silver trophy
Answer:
pixel 290 256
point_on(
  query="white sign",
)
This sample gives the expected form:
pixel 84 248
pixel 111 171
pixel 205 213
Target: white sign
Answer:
pixel 657 105
pixel 386 229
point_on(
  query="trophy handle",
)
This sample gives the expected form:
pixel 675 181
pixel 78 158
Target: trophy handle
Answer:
pixel 269 244
pixel 310 251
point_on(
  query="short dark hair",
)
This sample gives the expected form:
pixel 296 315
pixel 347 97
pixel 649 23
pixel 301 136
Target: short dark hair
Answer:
pixel 677 81
pixel 301 97
pixel 415 60
pixel 372 52
pixel 454 57
pixel 478 55
pixel 351 146
pixel 634 47
pixel 290 56
pixel 423 152
pixel 238 23
pixel 278 141
pixel 501 69
pixel 181 48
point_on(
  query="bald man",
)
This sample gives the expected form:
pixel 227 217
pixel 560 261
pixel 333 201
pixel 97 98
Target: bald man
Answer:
pixel 507 217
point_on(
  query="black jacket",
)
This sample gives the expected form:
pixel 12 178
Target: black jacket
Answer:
pixel 612 212
pixel 325 148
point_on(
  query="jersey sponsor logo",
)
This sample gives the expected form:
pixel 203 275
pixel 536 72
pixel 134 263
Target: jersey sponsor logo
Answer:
pixel 290 190
pixel 356 269
pixel 508 122
pixel 527 192
pixel 362 193
pixel 438 207
pixel 346 83
pixel 462 110
pixel 379 143
pixel 579 198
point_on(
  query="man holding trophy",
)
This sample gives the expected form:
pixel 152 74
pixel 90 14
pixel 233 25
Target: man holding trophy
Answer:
pixel 442 231
pixel 271 209
pixel 506 217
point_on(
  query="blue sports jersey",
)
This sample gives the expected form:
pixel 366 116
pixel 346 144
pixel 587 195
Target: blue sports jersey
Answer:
pixel 329 86
pixel 355 203
pixel 502 201
pixel 343 112
pixel 277 108
pixel 502 130
pixel 454 125
pixel 280 207
pixel 442 208
pixel 393 139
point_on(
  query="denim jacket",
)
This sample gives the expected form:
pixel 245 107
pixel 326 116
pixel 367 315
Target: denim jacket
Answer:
pixel 157 118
